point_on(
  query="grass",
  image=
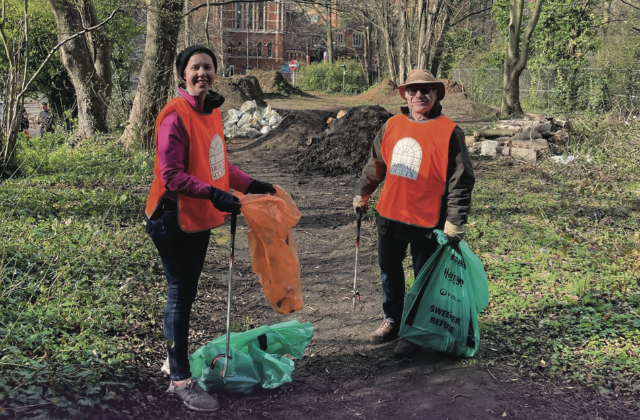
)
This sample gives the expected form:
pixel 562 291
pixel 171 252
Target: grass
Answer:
pixel 79 295
pixel 560 246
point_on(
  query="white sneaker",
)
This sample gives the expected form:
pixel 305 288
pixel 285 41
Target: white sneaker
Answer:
pixel 165 367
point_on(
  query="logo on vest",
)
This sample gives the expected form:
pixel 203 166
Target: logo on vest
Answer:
pixel 216 158
pixel 406 158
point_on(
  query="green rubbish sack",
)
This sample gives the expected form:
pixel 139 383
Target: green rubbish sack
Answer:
pixel 257 357
pixel 441 309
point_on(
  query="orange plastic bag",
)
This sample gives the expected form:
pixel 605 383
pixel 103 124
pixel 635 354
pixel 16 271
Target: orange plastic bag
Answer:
pixel 274 254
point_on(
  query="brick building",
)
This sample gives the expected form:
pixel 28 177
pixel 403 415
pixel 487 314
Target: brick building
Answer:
pixel 268 35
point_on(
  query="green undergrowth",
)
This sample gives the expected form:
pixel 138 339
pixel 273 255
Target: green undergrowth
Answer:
pixel 79 288
pixel 560 244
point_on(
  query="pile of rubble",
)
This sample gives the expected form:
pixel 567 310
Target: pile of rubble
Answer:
pixel 522 138
pixel 249 121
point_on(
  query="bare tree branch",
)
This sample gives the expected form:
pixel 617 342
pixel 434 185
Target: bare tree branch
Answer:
pixel 469 15
pixel 631 5
pixel 60 44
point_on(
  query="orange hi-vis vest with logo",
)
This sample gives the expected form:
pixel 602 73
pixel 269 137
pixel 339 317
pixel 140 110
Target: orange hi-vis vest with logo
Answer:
pixel 207 160
pixel 417 155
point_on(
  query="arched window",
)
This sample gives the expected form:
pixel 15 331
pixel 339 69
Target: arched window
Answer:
pixel 238 15
pixel 241 49
pixel 230 48
pixel 269 50
pixel 259 48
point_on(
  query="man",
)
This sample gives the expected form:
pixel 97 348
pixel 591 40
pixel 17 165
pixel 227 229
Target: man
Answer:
pixel 43 118
pixel 422 157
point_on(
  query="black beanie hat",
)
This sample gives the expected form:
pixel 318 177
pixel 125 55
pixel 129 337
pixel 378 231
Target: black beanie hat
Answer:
pixel 185 55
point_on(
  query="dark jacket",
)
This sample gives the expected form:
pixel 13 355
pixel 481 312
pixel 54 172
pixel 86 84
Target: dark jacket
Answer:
pixel 456 203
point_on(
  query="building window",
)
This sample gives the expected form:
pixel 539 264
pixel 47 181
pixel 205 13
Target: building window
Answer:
pixel 250 14
pixel 357 39
pixel 269 50
pixel 230 49
pixel 238 15
pixel 339 38
pixel 240 49
pixel 259 48
pixel 261 16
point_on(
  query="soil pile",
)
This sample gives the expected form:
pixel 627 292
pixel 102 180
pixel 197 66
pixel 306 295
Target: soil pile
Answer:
pixel 451 86
pixel 239 89
pixel 382 92
pixel 345 146
pixel 294 134
pixel 272 82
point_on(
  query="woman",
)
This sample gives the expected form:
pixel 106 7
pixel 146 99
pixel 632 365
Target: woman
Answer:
pixel 189 196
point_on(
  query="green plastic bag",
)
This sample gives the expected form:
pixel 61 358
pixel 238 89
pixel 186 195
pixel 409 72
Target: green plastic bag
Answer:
pixel 257 357
pixel 441 309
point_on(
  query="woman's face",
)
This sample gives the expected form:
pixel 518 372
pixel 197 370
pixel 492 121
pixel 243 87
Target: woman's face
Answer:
pixel 199 74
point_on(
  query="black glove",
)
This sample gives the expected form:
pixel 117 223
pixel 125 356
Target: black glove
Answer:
pixel 224 201
pixel 259 187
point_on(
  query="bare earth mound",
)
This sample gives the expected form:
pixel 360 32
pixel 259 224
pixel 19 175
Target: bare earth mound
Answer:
pixel 384 91
pixel 272 82
pixel 239 89
pixel 345 146
pixel 305 143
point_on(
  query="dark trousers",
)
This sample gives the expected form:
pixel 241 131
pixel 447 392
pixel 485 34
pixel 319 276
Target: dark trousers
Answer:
pixel 391 253
pixel 182 256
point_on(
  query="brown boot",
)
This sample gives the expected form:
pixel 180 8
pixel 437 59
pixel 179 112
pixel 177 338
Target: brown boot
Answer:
pixel 386 332
pixel 405 348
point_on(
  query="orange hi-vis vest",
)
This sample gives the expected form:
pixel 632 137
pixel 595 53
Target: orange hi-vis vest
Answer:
pixel 207 160
pixel 417 155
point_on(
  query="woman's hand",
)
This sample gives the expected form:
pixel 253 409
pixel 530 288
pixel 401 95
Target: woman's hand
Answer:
pixel 224 201
pixel 259 187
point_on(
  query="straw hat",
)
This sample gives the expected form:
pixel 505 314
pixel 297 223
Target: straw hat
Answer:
pixel 421 77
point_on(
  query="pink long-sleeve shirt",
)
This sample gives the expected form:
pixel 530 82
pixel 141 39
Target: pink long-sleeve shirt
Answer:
pixel 172 143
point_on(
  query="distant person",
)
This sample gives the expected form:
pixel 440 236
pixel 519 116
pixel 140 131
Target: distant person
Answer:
pixel 44 119
pixel 24 121
pixel 422 158
pixel 192 174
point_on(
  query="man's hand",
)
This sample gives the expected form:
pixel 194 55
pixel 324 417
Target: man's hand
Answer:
pixel 455 233
pixel 259 187
pixel 224 202
pixel 361 202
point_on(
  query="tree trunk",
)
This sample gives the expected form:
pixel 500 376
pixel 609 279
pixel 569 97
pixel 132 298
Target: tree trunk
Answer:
pixel 517 55
pixel 402 54
pixel 440 43
pixel 87 59
pixel 367 53
pixel 329 34
pixel 156 76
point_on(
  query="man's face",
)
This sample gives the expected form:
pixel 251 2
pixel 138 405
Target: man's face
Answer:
pixel 199 74
pixel 45 107
pixel 421 98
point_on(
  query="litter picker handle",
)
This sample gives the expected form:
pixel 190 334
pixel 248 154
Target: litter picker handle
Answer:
pixel 356 294
pixel 234 221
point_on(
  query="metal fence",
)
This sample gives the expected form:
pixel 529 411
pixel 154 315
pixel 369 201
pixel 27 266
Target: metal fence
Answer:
pixel 557 88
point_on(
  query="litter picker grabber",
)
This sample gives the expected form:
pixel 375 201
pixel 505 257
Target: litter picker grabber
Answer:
pixel 234 220
pixel 356 294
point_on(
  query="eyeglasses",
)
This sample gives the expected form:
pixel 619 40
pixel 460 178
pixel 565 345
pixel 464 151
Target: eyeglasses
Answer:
pixel 413 90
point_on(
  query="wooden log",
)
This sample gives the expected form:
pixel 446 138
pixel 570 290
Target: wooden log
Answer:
pixel 496 132
pixel 528 134
pixel 566 125
pixel 524 154
pixel 560 136
pixel 547 134
pixel 535 144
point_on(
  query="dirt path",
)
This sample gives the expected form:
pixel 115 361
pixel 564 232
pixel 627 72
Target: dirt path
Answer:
pixel 342 375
